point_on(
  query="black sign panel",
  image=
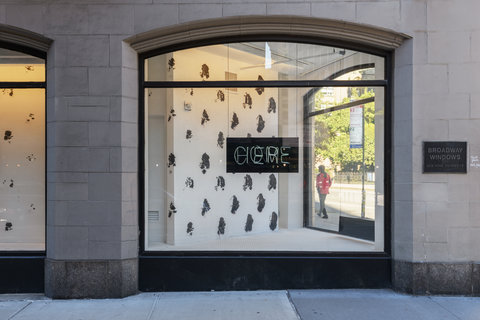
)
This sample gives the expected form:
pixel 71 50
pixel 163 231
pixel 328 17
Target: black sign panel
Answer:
pixel 444 157
pixel 262 155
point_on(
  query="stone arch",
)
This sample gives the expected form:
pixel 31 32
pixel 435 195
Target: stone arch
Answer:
pixel 280 26
pixel 24 38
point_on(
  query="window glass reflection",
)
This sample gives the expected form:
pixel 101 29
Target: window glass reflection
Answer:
pixel 16 66
pixel 195 201
pixel 22 169
pixel 257 61
pixel 346 162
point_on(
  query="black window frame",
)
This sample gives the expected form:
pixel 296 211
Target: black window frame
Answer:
pixel 152 262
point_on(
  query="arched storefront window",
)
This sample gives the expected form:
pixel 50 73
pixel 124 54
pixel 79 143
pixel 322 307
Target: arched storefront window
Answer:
pixel 263 146
pixel 22 150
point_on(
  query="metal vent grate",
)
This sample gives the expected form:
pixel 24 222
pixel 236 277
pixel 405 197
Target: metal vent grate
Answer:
pixel 153 216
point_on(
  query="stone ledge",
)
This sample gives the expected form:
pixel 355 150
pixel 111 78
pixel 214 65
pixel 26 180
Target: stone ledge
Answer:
pixel 422 278
pixel 95 279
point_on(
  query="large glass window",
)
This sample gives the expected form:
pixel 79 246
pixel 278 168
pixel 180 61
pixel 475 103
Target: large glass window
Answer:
pixel 22 152
pixel 264 146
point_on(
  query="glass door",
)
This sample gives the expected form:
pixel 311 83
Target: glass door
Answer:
pixel 344 148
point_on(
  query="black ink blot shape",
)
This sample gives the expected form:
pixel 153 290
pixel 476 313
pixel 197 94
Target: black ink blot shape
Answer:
pixel 31 117
pixel 205 207
pixel 235 121
pixel 260 90
pixel 11 183
pixel 248 184
pixel 249 223
pixel 29 68
pixel 260 124
pixel 188 134
pixel 8 226
pixel 272 182
pixel 220 139
pixel 260 203
pixel 189 183
pixel 172 114
pixel 272 105
pixel 273 221
pixel 32 206
pixel 205 73
pixel 190 228
pixel 205 117
pixel 8 135
pixel 249 135
pixel 247 101
pixel 205 164
pixel 171 64
pixel 172 210
pixel 220 95
pixel 220 183
pixel 221 226
pixel 31 157
pixel 191 91
pixel 235 205
pixel 4 91
pixel 171 160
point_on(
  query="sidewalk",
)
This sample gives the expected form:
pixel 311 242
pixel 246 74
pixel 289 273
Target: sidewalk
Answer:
pixel 275 305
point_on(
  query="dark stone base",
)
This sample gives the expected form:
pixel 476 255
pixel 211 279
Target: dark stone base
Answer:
pixel 91 279
pixel 436 278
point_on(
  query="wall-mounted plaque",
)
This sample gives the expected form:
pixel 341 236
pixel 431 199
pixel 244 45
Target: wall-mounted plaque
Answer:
pixel 262 155
pixel 444 157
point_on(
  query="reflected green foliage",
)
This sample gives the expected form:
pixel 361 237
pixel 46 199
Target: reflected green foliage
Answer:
pixel 332 134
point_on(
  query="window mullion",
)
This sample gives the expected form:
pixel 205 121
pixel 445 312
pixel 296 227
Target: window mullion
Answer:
pixel 265 84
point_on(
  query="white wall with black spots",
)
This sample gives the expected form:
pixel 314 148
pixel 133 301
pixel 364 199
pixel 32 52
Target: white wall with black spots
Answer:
pixel 202 192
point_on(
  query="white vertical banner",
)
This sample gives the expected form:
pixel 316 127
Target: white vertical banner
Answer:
pixel 356 127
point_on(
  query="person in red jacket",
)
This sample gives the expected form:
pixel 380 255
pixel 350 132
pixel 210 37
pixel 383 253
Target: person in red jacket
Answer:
pixel 323 185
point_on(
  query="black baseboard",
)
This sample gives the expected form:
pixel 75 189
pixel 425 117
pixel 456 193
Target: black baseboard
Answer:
pixel 357 228
pixel 22 274
pixel 183 273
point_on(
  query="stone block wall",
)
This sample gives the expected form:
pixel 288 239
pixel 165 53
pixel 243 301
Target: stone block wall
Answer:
pixel 92 126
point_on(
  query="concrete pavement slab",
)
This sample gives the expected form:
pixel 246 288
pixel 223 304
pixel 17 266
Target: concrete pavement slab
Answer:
pixel 368 305
pixel 310 304
pixel 264 305
pixel 137 307
pixel 9 308
pixel 465 308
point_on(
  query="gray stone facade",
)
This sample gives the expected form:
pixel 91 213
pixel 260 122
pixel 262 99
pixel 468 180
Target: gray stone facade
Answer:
pixel 92 130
